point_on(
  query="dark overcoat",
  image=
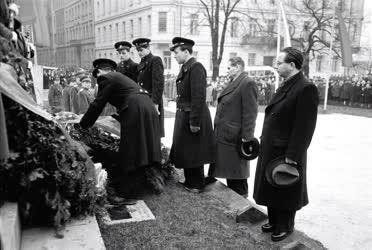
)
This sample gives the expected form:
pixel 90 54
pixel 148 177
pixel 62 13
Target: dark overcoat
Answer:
pixel 139 138
pixel 235 119
pixel 66 98
pixel 289 124
pixel 191 150
pixel 151 78
pixel 129 69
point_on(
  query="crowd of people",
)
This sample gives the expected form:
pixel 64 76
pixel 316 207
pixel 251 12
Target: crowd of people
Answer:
pixel 72 90
pixel 265 84
pixel 355 90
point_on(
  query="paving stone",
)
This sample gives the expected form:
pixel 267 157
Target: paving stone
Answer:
pixel 138 212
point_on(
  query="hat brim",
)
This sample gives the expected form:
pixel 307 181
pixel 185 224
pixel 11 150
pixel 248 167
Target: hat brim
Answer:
pixel 283 177
pixel 249 154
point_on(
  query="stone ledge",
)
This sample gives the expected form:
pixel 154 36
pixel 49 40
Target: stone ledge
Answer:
pixel 10 227
pixel 79 234
pixel 252 216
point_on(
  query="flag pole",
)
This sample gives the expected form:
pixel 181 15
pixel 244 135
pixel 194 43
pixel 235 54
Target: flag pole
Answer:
pixel 330 60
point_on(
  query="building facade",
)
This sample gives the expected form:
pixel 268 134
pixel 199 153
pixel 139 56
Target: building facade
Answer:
pixel 74 32
pixel 250 34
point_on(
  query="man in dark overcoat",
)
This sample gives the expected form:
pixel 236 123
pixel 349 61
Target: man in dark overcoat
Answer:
pixel 234 122
pixel 126 65
pixel 139 123
pixel 151 76
pixel 193 141
pixel 289 124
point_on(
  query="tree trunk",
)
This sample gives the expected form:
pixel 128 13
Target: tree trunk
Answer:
pixel 215 71
pixel 305 66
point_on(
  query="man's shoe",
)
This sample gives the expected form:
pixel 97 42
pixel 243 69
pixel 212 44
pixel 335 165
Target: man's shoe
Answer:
pixel 267 228
pixel 281 235
pixel 209 180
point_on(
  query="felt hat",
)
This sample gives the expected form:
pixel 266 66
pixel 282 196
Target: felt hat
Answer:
pixel 281 174
pixel 249 150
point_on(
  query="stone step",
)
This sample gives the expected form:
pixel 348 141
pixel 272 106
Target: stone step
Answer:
pixel 10 227
pixel 248 213
pixel 78 234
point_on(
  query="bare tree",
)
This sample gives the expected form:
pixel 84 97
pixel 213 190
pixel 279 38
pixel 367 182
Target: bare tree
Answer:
pixel 218 12
pixel 315 37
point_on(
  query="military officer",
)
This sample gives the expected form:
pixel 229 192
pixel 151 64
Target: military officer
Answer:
pixel 126 65
pixel 138 119
pixel 151 76
pixel 193 140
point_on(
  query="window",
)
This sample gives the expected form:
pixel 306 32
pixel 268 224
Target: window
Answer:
pixel 251 59
pixel 194 24
pixel 110 34
pixel 268 60
pixel 98 34
pixel 233 54
pixel 334 64
pixel 234 27
pixel 252 27
pixel 131 29
pixel 124 31
pixel 104 34
pixel 162 21
pixel 319 63
pixel 117 31
pixel 140 26
pixel 167 60
pixel 270 26
pixel 149 25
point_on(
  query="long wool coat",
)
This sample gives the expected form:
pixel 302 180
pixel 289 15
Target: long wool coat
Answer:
pixel 190 150
pixel 235 119
pixel 139 130
pixel 151 78
pixel 289 124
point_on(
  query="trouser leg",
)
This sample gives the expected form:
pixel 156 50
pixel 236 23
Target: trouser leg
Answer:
pixel 194 177
pixel 238 185
pixel 282 220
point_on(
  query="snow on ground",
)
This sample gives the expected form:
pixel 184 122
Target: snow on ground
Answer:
pixel 339 213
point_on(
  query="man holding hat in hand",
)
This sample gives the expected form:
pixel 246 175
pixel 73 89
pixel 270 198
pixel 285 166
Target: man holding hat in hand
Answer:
pixel 139 122
pixel 289 124
pixel 151 76
pixel 126 65
pixel 193 141
pixel 234 124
